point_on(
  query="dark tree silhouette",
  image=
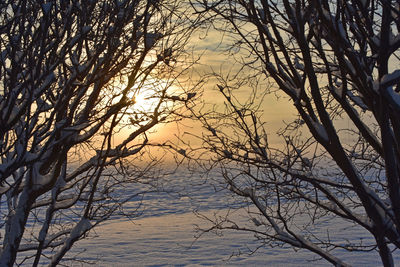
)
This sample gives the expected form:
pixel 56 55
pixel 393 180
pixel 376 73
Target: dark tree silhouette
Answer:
pixel 336 61
pixel 70 71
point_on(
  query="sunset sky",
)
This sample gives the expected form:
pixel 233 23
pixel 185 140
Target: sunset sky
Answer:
pixel 210 48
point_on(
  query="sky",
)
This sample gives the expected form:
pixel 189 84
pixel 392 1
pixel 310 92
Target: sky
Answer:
pixel 210 48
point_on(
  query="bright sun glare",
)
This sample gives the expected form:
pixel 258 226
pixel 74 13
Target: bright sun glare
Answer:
pixel 144 101
pixel 147 98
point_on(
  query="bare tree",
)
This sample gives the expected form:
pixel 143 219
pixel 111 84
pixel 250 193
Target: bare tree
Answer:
pixel 337 62
pixel 71 73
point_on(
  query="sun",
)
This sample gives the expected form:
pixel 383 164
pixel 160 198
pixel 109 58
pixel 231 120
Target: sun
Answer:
pixel 154 93
pixel 143 101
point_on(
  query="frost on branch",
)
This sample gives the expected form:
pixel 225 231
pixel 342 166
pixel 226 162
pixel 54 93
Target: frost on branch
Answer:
pixel 338 156
pixel 67 71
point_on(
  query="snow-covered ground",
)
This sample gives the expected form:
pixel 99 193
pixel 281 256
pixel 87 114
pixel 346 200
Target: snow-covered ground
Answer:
pixel 165 235
pixel 169 240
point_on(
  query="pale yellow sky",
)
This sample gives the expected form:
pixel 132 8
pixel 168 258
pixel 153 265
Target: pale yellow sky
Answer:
pixel 213 59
